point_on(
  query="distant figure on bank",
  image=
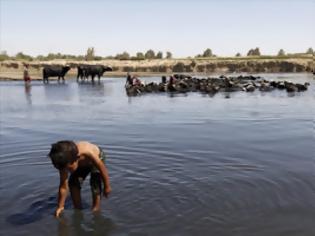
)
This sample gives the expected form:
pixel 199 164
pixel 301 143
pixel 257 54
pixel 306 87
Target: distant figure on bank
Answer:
pixel 80 159
pixel 26 75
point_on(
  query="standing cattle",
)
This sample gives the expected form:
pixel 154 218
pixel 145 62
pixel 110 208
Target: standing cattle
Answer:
pixel 81 72
pixel 84 71
pixel 54 71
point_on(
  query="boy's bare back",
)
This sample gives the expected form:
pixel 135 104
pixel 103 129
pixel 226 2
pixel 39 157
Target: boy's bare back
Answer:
pixel 87 152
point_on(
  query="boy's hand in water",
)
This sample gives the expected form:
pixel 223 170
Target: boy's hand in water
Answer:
pixel 107 191
pixel 58 211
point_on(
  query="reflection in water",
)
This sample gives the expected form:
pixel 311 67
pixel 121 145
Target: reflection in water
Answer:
pixel 96 89
pixel 227 95
pixel 28 94
pixel 58 92
pixel 78 225
pixel 291 94
pixel 175 94
pixel 211 94
pixel 93 82
pixel 91 93
pixel 129 99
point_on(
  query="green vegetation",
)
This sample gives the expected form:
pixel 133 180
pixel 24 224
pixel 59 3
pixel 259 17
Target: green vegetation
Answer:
pixel 123 56
pixel 281 53
pixel 23 57
pixel 206 54
pixel 140 56
pixel 253 54
pixel 159 55
pixel 90 54
pixel 53 56
pixel 169 55
pixel 310 51
pixel 150 54
pixel 4 56
pixel 262 57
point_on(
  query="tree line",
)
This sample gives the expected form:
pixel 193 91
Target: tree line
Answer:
pixel 89 56
pixel 149 54
pixel 254 52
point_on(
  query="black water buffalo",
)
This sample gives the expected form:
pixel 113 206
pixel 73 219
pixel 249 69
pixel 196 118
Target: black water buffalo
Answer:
pixel 84 71
pixel 54 71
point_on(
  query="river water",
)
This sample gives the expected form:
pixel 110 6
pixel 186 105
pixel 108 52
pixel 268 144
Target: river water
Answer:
pixel 232 164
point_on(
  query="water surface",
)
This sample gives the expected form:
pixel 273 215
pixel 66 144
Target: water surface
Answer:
pixel 189 164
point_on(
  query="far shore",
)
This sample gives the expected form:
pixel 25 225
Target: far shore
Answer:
pixel 18 76
pixel 13 70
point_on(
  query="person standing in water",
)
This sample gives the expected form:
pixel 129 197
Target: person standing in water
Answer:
pixel 128 79
pixel 26 75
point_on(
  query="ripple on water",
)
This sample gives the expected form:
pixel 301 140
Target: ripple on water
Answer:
pixel 178 165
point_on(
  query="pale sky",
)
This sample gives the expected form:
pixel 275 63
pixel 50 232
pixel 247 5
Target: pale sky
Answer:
pixel 184 27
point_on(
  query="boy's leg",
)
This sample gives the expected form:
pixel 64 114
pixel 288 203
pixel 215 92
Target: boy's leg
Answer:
pixel 75 181
pixel 96 189
pixel 96 202
pixel 96 184
pixel 76 197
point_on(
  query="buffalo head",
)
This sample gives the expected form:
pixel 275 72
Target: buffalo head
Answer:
pixel 66 68
pixel 107 68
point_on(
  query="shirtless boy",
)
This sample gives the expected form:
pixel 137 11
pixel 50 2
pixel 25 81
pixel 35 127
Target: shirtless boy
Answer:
pixel 79 159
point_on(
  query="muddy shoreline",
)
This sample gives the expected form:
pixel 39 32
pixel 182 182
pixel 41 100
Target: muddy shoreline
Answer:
pixel 13 70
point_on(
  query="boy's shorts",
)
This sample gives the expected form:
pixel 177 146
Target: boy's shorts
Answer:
pixel 77 177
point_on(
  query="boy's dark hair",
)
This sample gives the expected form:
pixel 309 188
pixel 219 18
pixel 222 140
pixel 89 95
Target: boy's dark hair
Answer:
pixel 63 153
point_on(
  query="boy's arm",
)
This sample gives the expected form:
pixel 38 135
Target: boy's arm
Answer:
pixel 104 173
pixel 63 191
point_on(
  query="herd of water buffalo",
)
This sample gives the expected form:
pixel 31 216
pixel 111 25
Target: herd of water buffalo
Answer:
pixel 185 83
pixel 84 72
pixel 178 83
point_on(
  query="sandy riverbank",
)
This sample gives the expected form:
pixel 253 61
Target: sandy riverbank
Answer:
pixel 13 70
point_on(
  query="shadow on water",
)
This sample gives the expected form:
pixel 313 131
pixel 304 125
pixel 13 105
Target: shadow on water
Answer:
pixel 98 225
pixel 86 82
pixel 35 212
